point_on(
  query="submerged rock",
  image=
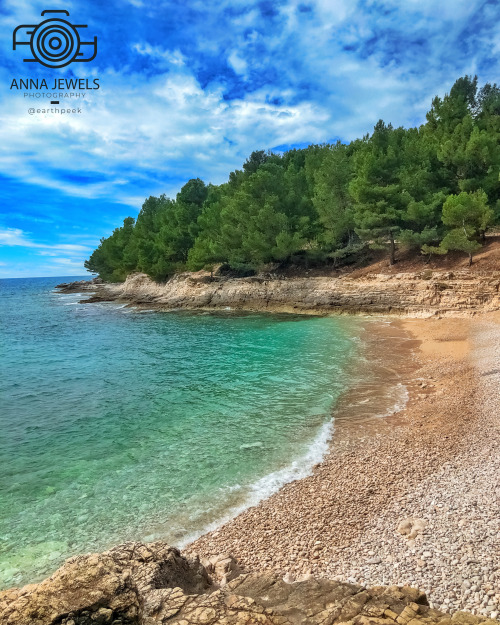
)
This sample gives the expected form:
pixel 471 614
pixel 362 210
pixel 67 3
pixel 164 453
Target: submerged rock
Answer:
pixel 79 286
pixel 149 584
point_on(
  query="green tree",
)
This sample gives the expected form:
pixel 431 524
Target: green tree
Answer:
pixel 436 187
pixel 116 256
pixel 207 248
pixel 446 113
pixel 332 199
pixel 422 187
pixel 379 205
pixel 153 251
pixel 179 234
pixel 256 160
pixel 468 215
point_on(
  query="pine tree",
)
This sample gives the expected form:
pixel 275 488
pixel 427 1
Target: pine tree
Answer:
pixel 379 205
pixel 469 216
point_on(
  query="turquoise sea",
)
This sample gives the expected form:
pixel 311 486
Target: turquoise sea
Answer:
pixel 118 424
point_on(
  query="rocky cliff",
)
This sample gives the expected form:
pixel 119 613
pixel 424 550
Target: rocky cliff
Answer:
pixel 423 293
pixel 139 584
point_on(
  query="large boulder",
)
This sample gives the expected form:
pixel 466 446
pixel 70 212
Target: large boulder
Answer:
pixel 139 584
pixel 119 586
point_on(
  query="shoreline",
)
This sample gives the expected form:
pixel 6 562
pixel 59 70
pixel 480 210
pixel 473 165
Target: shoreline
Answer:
pixel 349 409
pixel 425 293
pixel 302 465
pixel 342 521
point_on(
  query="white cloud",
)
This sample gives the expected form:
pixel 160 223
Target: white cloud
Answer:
pixel 171 126
pixel 239 65
pixel 301 76
pixel 38 258
pixel 174 57
pixel 140 125
pixel 17 237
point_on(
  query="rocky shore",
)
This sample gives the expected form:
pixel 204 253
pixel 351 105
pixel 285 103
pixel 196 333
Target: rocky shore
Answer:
pixel 403 502
pixel 423 293
pixel 138 584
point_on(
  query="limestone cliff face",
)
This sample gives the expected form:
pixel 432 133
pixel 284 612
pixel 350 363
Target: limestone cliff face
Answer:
pixel 139 584
pixel 418 294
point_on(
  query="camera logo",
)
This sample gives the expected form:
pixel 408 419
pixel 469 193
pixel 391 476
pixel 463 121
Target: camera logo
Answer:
pixel 55 42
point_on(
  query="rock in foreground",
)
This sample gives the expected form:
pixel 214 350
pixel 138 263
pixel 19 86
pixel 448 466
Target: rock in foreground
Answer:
pixel 138 584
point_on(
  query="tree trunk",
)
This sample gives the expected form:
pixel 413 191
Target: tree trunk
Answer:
pixel 470 259
pixel 392 250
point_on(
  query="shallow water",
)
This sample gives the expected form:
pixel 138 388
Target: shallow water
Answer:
pixel 119 424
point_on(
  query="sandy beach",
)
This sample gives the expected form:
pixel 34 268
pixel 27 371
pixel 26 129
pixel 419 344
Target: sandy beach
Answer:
pixel 430 471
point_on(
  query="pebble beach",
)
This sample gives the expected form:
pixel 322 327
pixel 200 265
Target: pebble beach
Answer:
pixel 412 498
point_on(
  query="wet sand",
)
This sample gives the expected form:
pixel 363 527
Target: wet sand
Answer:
pixel 436 461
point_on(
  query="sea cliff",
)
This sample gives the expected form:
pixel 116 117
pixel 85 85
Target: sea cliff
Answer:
pixel 441 287
pixel 422 294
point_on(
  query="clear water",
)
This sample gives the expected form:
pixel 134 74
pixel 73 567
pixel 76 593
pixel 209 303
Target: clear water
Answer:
pixel 125 425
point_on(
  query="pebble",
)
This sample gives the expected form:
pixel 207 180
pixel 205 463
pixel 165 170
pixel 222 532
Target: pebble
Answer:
pixel 444 471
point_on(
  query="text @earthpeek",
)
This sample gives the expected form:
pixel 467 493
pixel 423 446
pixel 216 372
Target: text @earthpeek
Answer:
pixel 56 111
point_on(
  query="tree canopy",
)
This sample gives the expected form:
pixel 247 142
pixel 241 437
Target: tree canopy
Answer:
pixel 434 188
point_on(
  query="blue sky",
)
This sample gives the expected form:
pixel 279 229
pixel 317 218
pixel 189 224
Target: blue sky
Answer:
pixel 191 87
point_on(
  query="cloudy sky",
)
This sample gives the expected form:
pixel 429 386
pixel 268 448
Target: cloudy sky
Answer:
pixel 191 87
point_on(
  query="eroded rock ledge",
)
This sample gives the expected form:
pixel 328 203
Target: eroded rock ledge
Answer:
pixel 139 584
pixel 425 293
